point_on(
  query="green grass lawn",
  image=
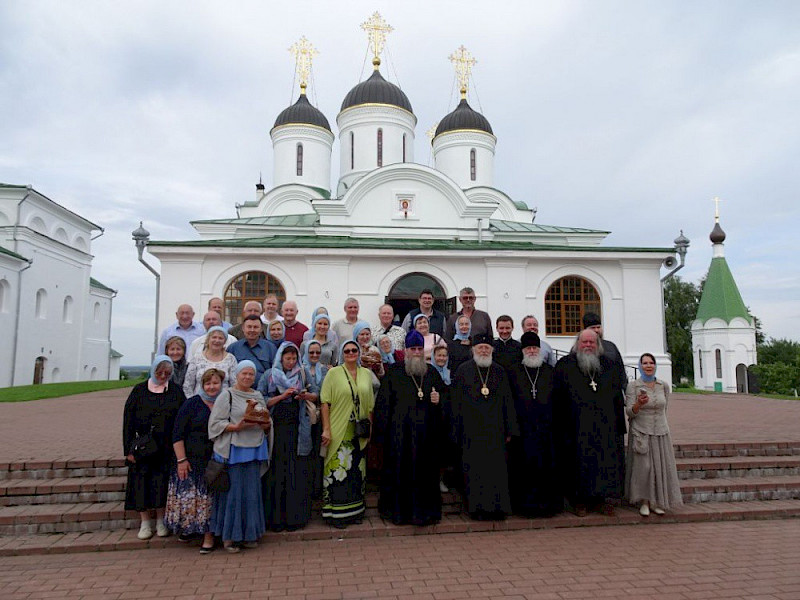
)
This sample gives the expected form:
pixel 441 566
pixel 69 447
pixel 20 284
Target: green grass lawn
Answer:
pixel 23 393
pixel 681 390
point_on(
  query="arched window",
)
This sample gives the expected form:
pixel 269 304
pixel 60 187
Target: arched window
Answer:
pixel 41 304
pixel 380 147
pixel 299 160
pixel 718 360
pixel 473 165
pixel 253 285
pixel 565 303
pixel 66 314
pixel 700 361
pixel 96 312
pixel 352 150
pixel 5 295
pixel 404 147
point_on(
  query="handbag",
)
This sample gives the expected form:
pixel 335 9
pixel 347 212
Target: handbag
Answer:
pixel 363 427
pixel 216 477
pixel 313 412
pixel 144 446
pixel 640 443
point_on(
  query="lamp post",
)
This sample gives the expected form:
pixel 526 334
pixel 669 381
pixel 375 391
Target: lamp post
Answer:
pixel 681 248
pixel 141 237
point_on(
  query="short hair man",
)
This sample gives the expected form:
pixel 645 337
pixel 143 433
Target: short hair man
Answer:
pixel 185 327
pixel 590 417
pixel 251 307
pixel 344 327
pixel 216 304
pixel 531 323
pixel 484 421
pixel 294 329
pixel 481 321
pixel 253 346
pixel 436 318
pixel 386 326
pixel 507 350
pixel 409 490
pixel 532 473
pixel 271 306
pixel 210 319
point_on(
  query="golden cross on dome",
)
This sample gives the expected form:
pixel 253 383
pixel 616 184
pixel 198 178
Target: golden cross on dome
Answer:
pixel 463 61
pixel 377 29
pixel 304 54
pixel 716 201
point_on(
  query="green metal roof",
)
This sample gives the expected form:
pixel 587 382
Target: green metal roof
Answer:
pixel 114 354
pixel 96 284
pixel 354 243
pixel 10 253
pixel 307 220
pixel 721 298
pixel 516 226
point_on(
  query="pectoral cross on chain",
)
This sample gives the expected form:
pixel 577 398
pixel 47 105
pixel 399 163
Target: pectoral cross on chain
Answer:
pixel 592 384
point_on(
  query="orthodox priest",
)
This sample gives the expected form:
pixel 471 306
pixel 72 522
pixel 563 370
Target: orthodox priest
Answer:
pixel 590 425
pixel 408 421
pixel 533 480
pixel 483 422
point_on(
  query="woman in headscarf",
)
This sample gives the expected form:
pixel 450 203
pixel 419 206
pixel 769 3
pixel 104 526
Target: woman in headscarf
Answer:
pixel 175 348
pixel 332 337
pixel 346 397
pixel 288 481
pixel 370 355
pixel 276 331
pixel 460 348
pixel 389 355
pixel 321 333
pixel 315 375
pixel 213 356
pixel 238 514
pixel 147 423
pixel 651 475
pixel 422 324
pixel 439 360
pixel 188 501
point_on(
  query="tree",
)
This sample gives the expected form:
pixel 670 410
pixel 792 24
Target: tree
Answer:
pixel 779 351
pixel 681 299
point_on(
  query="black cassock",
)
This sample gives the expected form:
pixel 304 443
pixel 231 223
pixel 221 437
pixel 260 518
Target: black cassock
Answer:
pixel 590 428
pixel 480 426
pixel 413 438
pixel 534 484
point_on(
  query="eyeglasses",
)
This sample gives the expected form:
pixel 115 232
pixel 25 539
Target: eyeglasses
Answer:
pixel 468 297
pixel 349 351
pixel 314 353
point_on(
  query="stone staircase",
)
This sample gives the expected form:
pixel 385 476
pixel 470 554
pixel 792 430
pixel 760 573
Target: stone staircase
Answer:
pixel 78 505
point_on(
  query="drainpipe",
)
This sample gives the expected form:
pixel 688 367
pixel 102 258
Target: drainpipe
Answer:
pixel 480 231
pixel 141 237
pixel 16 323
pixel 110 310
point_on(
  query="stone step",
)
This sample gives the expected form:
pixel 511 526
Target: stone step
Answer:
pixel 738 489
pixel 99 541
pixel 704 449
pixel 58 469
pixel 67 517
pixel 15 492
pixel 737 466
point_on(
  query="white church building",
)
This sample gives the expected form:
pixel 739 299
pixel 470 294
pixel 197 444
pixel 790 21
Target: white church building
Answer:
pixel 389 227
pixel 56 319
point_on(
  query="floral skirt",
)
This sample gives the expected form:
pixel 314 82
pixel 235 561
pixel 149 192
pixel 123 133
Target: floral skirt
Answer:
pixel 188 504
pixel 343 484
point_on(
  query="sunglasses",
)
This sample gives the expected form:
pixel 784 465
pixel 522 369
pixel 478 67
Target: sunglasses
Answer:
pixel 314 353
pixel 349 351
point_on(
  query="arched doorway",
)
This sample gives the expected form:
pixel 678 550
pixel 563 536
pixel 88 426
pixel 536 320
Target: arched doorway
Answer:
pixel 404 295
pixel 741 379
pixel 38 370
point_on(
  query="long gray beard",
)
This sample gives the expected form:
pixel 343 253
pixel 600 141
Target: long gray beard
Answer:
pixel 484 362
pixel 589 364
pixel 533 362
pixel 416 366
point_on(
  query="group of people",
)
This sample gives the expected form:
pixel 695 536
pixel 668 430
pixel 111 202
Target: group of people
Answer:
pixel 289 413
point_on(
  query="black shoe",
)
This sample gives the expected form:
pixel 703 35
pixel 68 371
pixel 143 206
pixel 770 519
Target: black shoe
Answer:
pixel 206 549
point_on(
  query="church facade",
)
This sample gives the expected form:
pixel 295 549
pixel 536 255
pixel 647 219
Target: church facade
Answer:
pixel 56 318
pixel 390 227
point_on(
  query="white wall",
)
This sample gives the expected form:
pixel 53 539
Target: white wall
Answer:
pixel 451 154
pixel 317 144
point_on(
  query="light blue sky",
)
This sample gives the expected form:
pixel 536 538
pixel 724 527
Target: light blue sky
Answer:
pixel 625 116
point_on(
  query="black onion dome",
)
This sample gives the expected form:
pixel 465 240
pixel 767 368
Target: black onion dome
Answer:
pixel 302 113
pixel 464 117
pixel 376 90
pixel 717 235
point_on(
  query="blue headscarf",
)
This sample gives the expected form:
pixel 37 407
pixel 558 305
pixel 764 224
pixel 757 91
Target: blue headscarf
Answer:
pixel 314 325
pixel 244 364
pixel 443 371
pixel 161 358
pixel 317 313
pixel 276 343
pixel 462 336
pixel 280 380
pixel 359 327
pixel 202 393
pixel 387 357
pixel 642 376
pixel 319 369
pixel 417 318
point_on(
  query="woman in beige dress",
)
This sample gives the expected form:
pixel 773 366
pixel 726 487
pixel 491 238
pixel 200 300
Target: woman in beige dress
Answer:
pixel 651 477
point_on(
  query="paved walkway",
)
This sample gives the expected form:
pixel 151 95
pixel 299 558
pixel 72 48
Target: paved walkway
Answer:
pixel 89 426
pixel 755 559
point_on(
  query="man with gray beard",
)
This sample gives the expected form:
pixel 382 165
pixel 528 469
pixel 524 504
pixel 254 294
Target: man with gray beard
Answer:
pixel 533 480
pixel 483 421
pixel 408 425
pixel 590 424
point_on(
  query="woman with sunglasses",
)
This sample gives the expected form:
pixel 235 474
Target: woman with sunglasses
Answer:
pixel 347 405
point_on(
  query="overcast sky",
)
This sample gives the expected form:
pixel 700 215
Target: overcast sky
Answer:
pixel 628 116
